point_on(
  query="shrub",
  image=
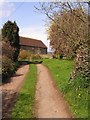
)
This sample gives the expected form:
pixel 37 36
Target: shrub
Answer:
pixel 7 50
pixel 61 56
pixel 23 54
pixel 70 57
pixel 10 33
pixel 36 56
pixel 8 67
pixel 0 64
pixel 17 64
pixel 82 64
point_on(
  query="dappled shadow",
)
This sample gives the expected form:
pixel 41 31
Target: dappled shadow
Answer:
pixel 8 80
pixel 21 63
pixel 36 62
pixel 24 62
pixel 8 101
pixel 16 75
pixel 30 62
pixel 10 98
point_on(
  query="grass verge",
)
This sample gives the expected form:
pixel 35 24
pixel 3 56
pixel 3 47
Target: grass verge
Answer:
pixel 73 91
pixel 25 102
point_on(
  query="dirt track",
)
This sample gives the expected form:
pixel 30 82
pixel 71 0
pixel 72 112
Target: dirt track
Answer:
pixel 10 90
pixel 49 102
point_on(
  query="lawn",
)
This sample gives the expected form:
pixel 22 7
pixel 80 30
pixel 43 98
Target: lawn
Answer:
pixel 25 102
pixel 73 91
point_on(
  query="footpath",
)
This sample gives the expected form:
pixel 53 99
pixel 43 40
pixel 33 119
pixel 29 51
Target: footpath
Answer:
pixel 49 101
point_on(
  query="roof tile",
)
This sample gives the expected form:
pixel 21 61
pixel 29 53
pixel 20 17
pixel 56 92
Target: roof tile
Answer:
pixel 31 42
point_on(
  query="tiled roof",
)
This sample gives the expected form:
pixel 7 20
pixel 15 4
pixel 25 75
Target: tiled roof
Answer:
pixel 31 42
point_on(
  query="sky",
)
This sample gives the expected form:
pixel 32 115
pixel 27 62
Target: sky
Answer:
pixel 30 22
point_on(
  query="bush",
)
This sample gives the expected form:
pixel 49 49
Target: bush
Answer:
pixel 82 64
pixel 17 64
pixel 70 57
pixel 8 67
pixel 61 56
pixel 24 54
pixel 10 33
pixel 0 65
pixel 7 50
pixel 36 56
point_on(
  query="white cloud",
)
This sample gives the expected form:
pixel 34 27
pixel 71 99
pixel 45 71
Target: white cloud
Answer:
pixel 6 8
pixel 36 33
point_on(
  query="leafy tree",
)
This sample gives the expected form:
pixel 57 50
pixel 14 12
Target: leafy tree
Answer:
pixel 76 31
pixel 69 28
pixel 10 34
pixel 7 50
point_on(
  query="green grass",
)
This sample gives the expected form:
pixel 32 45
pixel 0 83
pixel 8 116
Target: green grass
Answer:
pixel 25 102
pixel 73 91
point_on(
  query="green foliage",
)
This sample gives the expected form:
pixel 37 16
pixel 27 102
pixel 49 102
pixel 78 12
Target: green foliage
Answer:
pixel 10 50
pixel 74 91
pixel 7 50
pixel 10 34
pixel 25 102
pixel 82 64
pixel 17 64
pixel 70 57
pixel 8 68
pixel 69 34
pixel 61 56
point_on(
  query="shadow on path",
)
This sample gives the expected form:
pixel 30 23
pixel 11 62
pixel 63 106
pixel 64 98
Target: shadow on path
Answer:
pixel 10 90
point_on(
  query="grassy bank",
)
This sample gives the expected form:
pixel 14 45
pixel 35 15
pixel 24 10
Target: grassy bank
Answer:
pixel 25 102
pixel 73 91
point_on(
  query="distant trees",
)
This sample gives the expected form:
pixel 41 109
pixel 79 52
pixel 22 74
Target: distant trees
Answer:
pixel 68 32
pixel 11 37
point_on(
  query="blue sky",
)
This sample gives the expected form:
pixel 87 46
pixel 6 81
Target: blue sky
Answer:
pixel 30 22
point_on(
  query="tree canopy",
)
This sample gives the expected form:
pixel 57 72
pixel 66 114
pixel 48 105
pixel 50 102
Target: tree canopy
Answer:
pixel 10 34
pixel 68 32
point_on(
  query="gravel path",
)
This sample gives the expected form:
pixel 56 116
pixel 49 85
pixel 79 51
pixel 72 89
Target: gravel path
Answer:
pixel 49 102
pixel 10 90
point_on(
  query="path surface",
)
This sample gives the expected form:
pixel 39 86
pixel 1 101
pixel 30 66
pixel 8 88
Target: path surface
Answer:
pixel 10 90
pixel 17 79
pixel 49 102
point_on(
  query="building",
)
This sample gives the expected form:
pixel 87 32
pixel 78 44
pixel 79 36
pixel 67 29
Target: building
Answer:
pixel 35 46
